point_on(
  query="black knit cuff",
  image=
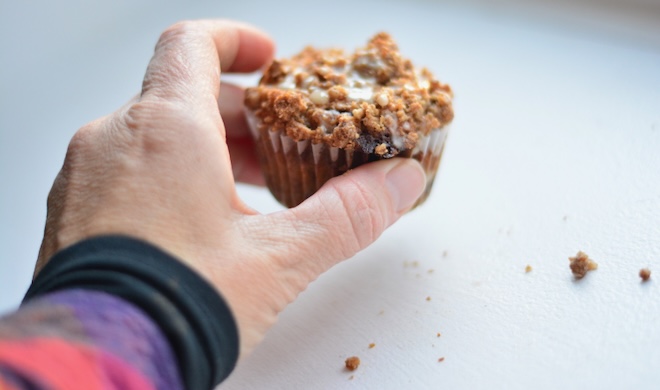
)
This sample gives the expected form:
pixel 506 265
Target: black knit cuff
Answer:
pixel 190 312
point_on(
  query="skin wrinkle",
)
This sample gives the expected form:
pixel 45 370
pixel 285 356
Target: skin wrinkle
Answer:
pixel 372 214
pixel 366 220
pixel 171 62
pixel 168 46
pixel 313 237
pixel 331 217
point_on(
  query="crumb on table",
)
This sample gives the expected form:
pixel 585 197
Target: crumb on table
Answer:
pixel 581 264
pixel 439 334
pixel 428 298
pixel 645 274
pixel 528 269
pixel 352 363
pixel 371 345
pixel 442 359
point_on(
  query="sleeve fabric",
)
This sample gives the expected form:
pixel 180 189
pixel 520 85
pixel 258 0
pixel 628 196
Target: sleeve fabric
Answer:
pixel 115 312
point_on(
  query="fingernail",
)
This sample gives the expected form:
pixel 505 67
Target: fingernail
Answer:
pixel 405 182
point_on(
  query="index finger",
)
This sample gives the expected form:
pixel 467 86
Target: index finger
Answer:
pixel 190 55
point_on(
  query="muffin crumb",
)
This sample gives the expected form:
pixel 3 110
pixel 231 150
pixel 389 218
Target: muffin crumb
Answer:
pixel 350 378
pixel 645 274
pixel 442 359
pixel 580 264
pixel 428 298
pixel 372 345
pixel 528 269
pixel 352 363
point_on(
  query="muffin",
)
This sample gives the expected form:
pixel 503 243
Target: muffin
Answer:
pixel 321 113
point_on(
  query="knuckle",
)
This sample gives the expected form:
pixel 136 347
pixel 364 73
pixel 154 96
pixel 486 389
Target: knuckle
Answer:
pixel 142 124
pixel 139 115
pixel 82 139
pixel 176 32
pixel 168 60
pixel 157 126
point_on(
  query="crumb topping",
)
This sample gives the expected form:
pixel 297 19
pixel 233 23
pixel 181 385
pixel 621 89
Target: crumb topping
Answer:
pixel 581 264
pixel 373 99
pixel 352 363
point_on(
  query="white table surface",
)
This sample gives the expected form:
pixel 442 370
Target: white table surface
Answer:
pixel 555 148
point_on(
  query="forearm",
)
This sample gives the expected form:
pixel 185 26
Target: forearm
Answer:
pixel 118 313
pixel 85 339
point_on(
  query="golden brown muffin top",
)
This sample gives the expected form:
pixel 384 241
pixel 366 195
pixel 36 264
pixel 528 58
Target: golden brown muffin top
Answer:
pixel 374 98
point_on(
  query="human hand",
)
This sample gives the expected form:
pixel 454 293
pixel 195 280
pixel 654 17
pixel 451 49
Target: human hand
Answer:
pixel 159 169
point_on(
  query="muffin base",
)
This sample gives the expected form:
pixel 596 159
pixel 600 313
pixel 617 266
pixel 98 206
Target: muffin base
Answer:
pixel 294 170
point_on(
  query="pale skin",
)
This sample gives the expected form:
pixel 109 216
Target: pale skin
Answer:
pixel 163 168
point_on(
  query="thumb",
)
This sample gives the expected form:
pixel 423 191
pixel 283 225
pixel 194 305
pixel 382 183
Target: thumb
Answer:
pixel 351 211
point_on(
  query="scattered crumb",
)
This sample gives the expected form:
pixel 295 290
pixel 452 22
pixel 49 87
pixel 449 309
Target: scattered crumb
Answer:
pixel 439 334
pixel 445 253
pixel 428 298
pixel 372 345
pixel 352 363
pixel 645 274
pixel 581 264
pixel 350 378
pixel 430 271
pixel 415 263
pixel 380 313
pixel 440 360
pixel 528 269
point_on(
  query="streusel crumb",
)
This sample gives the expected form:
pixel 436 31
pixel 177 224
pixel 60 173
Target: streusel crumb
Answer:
pixel 352 363
pixel 581 264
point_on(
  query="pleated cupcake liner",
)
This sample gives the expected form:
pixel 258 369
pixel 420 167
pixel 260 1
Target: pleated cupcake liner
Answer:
pixel 295 170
